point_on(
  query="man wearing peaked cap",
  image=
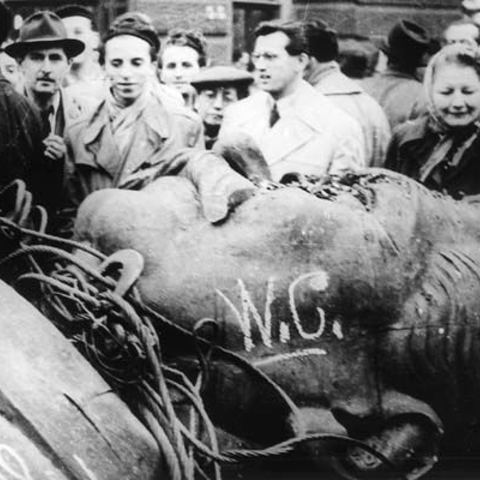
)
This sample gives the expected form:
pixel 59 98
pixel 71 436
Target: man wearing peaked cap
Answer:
pixel 44 53
pixel 132 135
pixel 217 88
pixel 397 89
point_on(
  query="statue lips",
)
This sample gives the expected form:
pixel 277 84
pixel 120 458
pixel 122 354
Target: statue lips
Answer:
pixel 356 297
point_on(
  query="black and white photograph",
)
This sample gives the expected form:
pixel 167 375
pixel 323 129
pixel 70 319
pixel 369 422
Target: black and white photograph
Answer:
pixel 239 240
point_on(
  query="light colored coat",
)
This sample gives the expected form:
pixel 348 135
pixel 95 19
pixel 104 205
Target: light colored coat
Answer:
pixel 352 99
pixel 401 96
pixel 93 158
pixel 312 136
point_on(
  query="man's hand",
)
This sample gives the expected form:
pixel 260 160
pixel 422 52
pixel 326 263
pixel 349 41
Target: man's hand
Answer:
pixel 55 147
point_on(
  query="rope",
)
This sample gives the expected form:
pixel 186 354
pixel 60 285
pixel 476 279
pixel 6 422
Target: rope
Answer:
pixel 94 316
pixel 52 239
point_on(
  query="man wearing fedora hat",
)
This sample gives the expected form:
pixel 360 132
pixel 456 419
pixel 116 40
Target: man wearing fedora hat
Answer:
pixel 323 72
pixel 44 53
pixel 21 132
pixel 397 89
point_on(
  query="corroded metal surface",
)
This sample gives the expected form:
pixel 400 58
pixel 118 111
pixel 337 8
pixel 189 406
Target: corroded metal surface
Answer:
pixel 58 418
pixel 361 304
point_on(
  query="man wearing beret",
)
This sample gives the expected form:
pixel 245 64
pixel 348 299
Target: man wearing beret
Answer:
pixel 217 88
pixel 131 136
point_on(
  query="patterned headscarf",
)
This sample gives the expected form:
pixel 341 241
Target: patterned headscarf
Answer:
pixel 452 144
pixel 449 55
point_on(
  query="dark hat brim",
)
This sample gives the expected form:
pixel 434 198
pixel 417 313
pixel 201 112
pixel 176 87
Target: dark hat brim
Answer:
pixel 72 46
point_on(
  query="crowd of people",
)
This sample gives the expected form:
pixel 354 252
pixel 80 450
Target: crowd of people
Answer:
pixel 80 113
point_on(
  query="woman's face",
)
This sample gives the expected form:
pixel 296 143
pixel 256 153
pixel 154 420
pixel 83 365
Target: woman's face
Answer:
pixel 179 65
pixel 456 95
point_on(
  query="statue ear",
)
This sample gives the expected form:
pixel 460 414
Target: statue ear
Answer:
pixel 408 437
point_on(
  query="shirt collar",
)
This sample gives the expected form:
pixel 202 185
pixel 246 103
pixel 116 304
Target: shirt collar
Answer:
pixel 55 105
pixel 286 104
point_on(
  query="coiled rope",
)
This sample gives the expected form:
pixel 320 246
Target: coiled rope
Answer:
pixel 117 335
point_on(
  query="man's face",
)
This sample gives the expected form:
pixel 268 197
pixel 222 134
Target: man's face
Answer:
pixel 80 28
pixel 128 67
pixel 276 71
pixel 11 70
pixel 211 103
pixel 466 35
pixel 179 65
pixel 44 70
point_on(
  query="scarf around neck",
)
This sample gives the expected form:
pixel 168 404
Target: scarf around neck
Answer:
pixel 124 120
pixel 452 142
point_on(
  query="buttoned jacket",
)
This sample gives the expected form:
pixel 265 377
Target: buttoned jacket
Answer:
pixel 312 136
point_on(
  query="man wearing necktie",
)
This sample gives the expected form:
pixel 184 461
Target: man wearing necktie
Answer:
pixel 296 128
pixel 45 53
pixel 20 126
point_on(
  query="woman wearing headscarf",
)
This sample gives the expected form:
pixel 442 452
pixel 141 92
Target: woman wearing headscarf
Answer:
pixel 442 149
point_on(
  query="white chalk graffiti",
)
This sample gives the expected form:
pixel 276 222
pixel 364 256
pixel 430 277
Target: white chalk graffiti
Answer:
pixel 12 465
pixel 282 357
pixel 249 314
pixel 319 282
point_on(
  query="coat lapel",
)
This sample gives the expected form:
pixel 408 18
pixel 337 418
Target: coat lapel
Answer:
pixel 286 137
pixel 290 134
pixel 100 148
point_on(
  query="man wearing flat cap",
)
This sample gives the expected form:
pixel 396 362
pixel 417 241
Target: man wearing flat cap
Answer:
pixel 217 88
pixel 397 89
pixel 131 136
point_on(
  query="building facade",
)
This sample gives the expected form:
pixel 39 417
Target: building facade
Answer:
pixel 228 24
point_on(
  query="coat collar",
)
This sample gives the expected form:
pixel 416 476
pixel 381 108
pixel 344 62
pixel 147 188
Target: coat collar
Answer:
pixel 328 79
pixel 392 71
pixel 419 132
pixel 154 115
pixel 305 121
